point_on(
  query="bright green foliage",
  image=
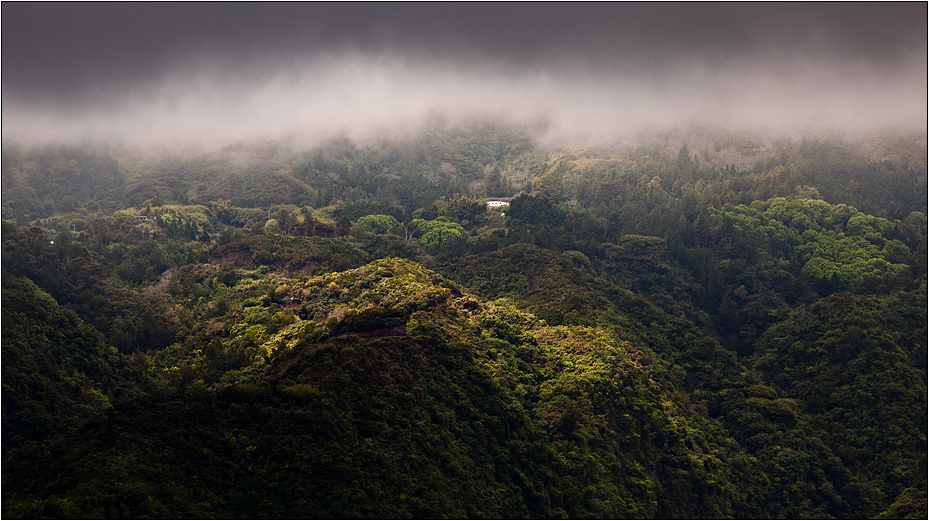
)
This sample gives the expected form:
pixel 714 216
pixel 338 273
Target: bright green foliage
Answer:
pixel 272 226
pixel 380 224
pixel 838 247
pixel 534 421
pixel 182 221
pixel 439 233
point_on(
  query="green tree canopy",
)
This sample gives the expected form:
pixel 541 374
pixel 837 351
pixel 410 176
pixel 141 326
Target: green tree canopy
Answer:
pixel 439 233
pixel 463 209
pixel 380 224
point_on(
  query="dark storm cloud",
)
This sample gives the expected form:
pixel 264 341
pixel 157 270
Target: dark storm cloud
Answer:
pixel 242 69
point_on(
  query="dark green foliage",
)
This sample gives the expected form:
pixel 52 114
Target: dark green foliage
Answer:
pixel 294 254
pixel 530 421
pixel 71 274
pixel 464 209
pixel 43 181
pixel 857 366
pixel 722 326
pixel 534 211
pixel 57 372
pixel 495 185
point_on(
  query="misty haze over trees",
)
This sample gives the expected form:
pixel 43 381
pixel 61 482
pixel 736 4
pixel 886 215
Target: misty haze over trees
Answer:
pixel 250 266
pixel 203 76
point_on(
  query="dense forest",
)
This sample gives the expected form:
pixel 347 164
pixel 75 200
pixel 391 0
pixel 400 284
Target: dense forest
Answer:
pixel 688 324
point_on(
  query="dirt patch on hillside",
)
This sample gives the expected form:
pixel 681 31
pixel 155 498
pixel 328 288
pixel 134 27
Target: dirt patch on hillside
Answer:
pixel 240 258
pixel 378 333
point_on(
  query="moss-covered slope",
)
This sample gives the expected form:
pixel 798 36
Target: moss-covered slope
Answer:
pixel 401 395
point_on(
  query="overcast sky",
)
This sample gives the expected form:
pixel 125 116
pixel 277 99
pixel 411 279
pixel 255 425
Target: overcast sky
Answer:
pixel 217 72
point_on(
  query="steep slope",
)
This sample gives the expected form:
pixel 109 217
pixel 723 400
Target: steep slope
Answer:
pixel 857 366
pixel 706 338
pixel 57 371
pixel 810 409
pixel 401 395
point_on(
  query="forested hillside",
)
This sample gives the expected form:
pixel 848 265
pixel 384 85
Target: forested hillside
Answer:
pixel 691 324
